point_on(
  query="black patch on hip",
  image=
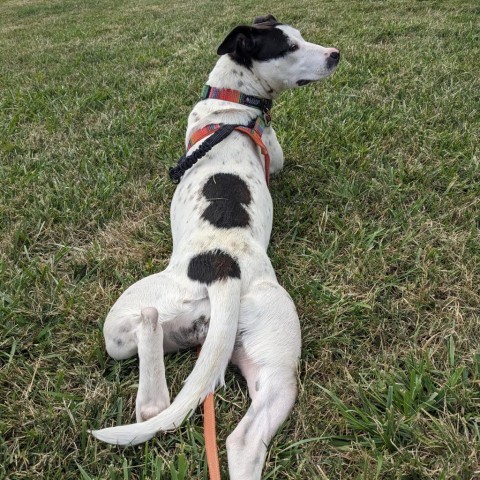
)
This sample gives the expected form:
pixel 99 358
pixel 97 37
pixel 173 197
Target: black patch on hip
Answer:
pixel 213 266
pixel 227 195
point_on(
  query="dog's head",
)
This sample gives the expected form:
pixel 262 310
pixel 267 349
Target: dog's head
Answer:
pixel 278 54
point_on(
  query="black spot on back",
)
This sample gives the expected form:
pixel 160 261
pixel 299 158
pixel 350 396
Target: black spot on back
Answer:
pixel 213 266
pixel 227 195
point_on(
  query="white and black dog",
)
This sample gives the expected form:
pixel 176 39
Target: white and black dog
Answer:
pixel 219 289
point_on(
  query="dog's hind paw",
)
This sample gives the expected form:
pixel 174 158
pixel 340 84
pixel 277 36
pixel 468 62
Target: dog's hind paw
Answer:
pixel 149 411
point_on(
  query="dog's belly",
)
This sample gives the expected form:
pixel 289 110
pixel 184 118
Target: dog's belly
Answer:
pixel 180 335
pixel 189 328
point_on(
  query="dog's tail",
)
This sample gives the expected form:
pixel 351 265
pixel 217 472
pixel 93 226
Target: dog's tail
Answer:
pixel 208 372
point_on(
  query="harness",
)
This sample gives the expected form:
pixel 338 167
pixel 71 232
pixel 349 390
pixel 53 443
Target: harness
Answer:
pixel 216 132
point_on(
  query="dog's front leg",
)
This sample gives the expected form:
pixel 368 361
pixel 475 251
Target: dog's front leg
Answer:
pixel 274 150
pixel 152 395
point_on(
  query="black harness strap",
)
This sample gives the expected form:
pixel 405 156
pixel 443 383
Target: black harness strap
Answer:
pixel 187 161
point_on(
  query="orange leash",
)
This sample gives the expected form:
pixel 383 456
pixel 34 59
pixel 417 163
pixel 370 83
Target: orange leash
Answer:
pixel 210 434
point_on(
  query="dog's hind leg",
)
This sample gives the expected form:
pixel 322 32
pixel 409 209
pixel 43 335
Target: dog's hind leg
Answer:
pixel 271 404
pixel 152 395
pixel 269 339
pixel 161 291
pixel 135 324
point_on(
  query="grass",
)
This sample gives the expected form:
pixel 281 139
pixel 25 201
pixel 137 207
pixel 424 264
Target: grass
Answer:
pixel 376 233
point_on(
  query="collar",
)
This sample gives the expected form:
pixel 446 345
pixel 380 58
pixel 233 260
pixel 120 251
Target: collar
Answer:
pixel 235 96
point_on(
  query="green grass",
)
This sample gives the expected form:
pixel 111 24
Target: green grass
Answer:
pixel 376 233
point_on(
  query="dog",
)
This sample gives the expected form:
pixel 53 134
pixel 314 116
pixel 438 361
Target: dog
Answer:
pixel 219 289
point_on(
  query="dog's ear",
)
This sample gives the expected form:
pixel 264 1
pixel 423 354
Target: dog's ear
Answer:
pixel 267 20
pixel 240 41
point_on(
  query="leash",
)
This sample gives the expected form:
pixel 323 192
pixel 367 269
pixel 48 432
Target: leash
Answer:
pixel 219 131
pixel 210 434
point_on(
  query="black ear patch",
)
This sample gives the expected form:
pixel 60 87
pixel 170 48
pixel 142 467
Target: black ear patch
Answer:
pixel 261 42
pixel 213 266
pixel 240 41
pixel 227 194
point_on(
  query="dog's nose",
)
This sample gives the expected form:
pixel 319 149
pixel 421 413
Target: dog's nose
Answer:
pixel 335 54
pixel 333 58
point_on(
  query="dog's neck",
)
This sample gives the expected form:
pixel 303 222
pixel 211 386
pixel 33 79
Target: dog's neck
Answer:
pixel 229 74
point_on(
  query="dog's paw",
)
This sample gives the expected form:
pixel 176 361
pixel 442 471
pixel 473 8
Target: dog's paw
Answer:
pixel 149 410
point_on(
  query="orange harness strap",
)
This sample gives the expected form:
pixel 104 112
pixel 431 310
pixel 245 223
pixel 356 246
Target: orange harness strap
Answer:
pixel 254 131
pixel 219 131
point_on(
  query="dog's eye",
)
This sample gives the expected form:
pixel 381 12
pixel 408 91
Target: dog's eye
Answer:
pixel 293 47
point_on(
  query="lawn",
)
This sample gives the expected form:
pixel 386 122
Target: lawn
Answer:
pixel 376 233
